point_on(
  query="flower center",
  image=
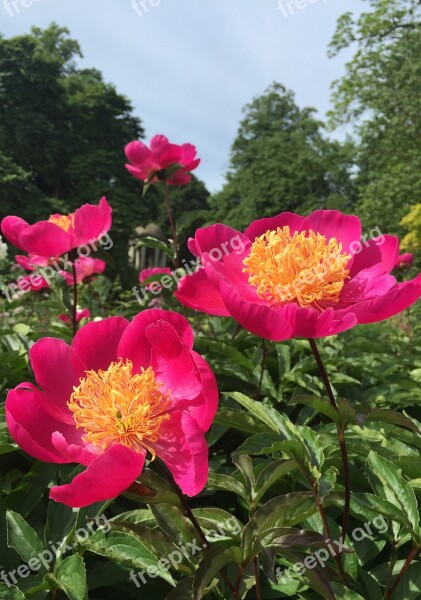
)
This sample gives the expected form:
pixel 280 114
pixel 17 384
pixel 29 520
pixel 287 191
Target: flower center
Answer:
pixel 117 407
pixel 65 222
pixel 305 268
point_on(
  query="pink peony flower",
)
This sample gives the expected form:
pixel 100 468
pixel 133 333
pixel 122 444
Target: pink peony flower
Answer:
pixel 85 267
pixel 291 275
pixel 84 313
pixel 159 161
pixel 404 260
pixel 146 273
pixel 32 283
pixel 60 233
pixel 120 391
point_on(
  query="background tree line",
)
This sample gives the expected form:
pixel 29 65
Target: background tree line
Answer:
pixel 63 130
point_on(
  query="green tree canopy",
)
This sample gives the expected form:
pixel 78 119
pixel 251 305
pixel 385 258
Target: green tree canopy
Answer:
pixel 281 161
pixel 62 137
pixel 380 94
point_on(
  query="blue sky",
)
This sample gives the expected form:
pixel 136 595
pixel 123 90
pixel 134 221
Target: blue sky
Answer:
pixel 189 66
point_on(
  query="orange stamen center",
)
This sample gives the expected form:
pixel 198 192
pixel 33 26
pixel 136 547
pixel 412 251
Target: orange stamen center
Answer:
pixel 117 407
pixel 304 268
pixel 65 222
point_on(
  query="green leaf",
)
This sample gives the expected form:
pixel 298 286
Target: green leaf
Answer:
pixel 391 478
pixel 216 559
pixel 270 474
pixel 150 242
pixel 126 549
pixel 266 414
pixel 244 463
pixel 10 593
pixel 219 481
pixel 240 420
pixel 261 443
pixel 21 537
pixel 380 415
pixel 344 593
pixel 70 576
pixel 182 591
pixel 322 405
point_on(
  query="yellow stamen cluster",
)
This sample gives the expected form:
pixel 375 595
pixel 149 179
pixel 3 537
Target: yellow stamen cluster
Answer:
pixel 65 222
pixel 117 407
pixel 304 268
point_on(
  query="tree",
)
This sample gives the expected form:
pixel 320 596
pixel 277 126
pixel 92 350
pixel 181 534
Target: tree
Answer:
pixel 380 94
pixel 280 161
pixel 62 136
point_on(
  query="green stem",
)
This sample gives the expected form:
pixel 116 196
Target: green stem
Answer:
pixel 341 436
pixel 171 221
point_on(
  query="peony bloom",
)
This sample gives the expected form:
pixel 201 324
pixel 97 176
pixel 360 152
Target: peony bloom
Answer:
pixel 32 283
pixel 83 313
pixel 85 267
pixel 159 162
pixel 122 391
pixel 146 273
pixel 404 260
pixel 291 275
pixel 60 233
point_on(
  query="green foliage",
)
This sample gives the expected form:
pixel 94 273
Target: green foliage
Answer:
pixel 281 161
pixel 379 94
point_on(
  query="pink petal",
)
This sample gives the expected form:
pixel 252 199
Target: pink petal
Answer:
pixel 199 293
pixel 182 446
pixel 188 153
pixel 95 344
pixel 173 364
pixel 261 226
pixel 24 262
pixel 137 153
pixel 158 142
pixel 400 297
pixel 12 228
pixel 57 370
pixel 374 251
pixel 106 477
pixel 92 222
pixel 31 425
pixel 72 452
pixel 191 245
pixel 46 239
pixel 134 343
pixel 204 412
pixel 142 174
pixel 220 240
pixel 260 319
pixel 367 284
pixel 332 223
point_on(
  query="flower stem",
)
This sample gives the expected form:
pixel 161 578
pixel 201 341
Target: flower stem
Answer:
pixel 411 556
pixel 172 225
pixel 341 436
pixel 190 515
pixel 74 307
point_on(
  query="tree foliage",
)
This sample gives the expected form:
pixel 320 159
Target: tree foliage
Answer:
pixel 280 160
pixel 380 95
